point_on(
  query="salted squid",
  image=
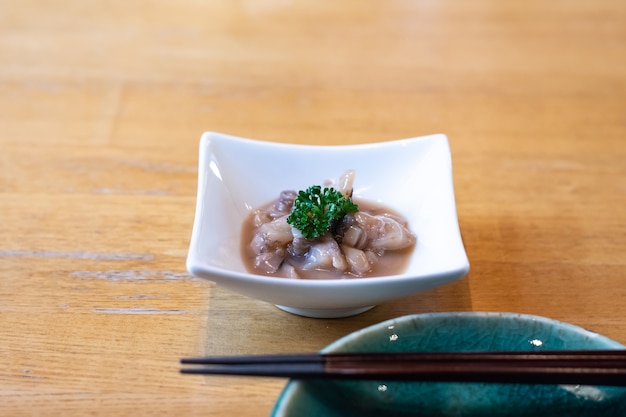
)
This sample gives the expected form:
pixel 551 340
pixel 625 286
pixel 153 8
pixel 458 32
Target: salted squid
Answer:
pixel 371 241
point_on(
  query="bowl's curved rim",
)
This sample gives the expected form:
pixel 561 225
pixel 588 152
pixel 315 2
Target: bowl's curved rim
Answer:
pixel 211 273
pixel 292 386
pixel 211 135
pixel 473 314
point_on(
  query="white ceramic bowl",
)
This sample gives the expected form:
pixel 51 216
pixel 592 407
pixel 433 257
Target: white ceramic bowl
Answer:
pixel 411 176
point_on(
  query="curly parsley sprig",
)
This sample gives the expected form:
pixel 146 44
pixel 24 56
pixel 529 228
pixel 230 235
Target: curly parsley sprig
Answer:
pixel 315 209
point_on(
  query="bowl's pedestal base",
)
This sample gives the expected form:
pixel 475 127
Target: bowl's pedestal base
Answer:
pixel 325 313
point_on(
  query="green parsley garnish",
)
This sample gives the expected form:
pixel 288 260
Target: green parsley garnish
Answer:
pixel 315 210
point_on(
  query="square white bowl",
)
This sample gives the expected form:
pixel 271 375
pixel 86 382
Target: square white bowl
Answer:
pixel 411 176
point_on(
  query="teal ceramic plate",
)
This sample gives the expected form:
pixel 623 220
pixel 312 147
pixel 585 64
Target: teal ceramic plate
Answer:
pixel 456 332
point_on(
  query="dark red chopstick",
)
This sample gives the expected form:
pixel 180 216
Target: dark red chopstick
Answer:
pixel 586 367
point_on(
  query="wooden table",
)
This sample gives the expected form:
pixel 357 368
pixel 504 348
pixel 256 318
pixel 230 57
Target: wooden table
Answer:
pixel 101 108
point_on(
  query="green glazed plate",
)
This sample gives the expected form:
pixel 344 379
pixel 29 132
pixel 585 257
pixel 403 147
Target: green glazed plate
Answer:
pixel 456 332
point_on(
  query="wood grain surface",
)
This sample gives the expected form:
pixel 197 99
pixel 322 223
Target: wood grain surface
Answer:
pixel 102 105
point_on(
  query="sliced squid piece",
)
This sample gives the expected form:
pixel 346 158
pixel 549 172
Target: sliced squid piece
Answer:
pixel 281 207
pixel 270 262
pixel 349 232
pixel 271 235
pixel 346 183
pixel 325 255
pixel 384 232
pixel 299 245
pixel 285 202
pixel 287 270
pixel 358 261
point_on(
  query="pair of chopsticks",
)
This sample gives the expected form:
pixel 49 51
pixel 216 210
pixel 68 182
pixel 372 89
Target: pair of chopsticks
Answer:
pixel 583 367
